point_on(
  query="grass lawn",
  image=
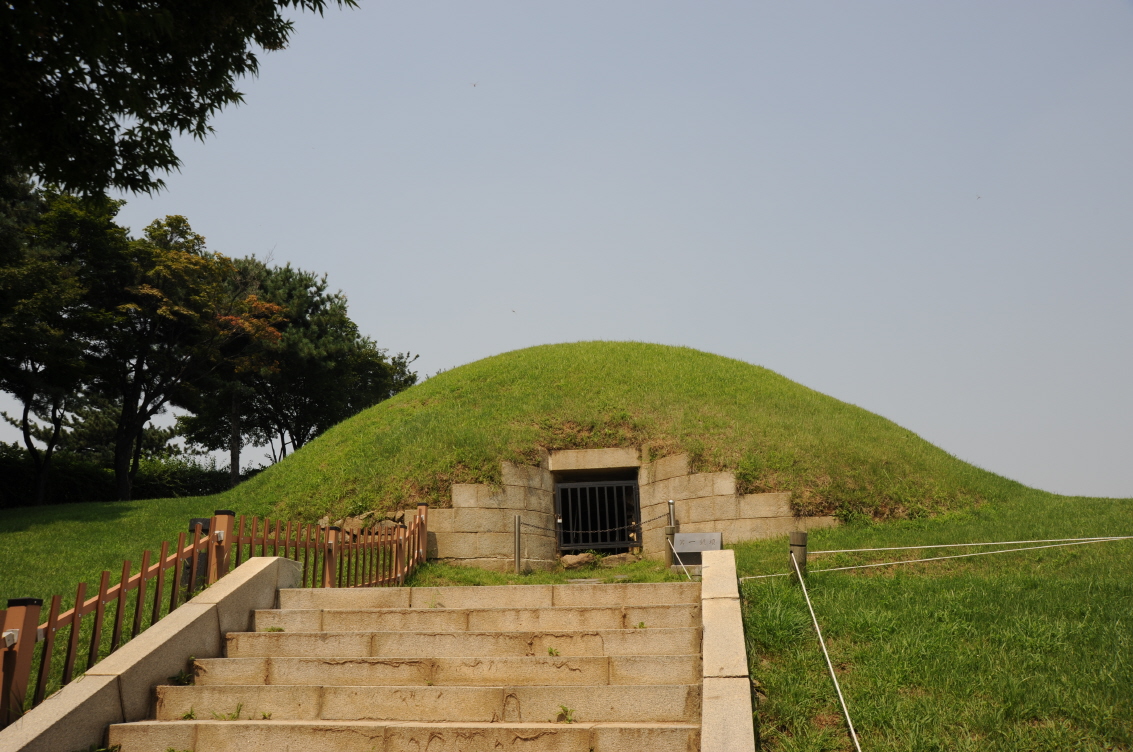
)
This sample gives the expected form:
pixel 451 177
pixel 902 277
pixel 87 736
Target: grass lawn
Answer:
pixel 46 551
pixel 436 574
pixel 1019 651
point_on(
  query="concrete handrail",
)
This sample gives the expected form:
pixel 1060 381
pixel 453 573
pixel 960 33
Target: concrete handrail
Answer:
pixel 120 688
pixel 726 720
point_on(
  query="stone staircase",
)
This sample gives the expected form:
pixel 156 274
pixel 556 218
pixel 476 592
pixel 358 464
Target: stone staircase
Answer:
pixel 569 668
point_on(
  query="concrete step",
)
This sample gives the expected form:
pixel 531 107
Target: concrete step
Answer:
pixel 647 641
pixel 590 704
pixel 379 736
pixel 451 671
pixel 678 616
pixel 499 596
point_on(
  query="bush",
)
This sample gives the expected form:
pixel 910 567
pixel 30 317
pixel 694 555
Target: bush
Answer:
pixel 72 480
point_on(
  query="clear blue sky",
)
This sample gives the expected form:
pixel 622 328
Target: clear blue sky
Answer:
pixel 925 209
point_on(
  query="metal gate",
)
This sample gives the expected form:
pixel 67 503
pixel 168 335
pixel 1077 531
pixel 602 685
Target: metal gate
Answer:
pixel 598 516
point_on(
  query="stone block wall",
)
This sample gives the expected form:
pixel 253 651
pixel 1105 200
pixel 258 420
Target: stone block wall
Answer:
pixel 479 528
pixel 708 503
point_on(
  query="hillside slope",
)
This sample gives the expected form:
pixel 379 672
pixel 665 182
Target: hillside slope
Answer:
pixel 729 415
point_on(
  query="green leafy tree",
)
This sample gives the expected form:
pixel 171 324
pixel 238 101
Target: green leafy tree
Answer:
pixel 321 371
pixel 88 429
pixel 42 318
pixel 169 319
pixel 92 91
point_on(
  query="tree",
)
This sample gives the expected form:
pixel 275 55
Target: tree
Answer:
pixel 41 318
pixel 88 429
pixel 321 372
pixel 168 319
pixel 92 91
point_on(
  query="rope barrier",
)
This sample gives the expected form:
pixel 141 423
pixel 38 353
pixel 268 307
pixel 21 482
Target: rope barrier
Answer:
pixel 826 655
pixel 962 545
pixel 1079 542
pixel 961 556
pixel 537 527
pixel 678 558
pixel 629 526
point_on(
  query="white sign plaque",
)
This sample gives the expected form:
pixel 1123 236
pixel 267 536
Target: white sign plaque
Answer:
pixel 691 542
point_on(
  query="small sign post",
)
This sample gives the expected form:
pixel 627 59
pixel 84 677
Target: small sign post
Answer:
pixel 689 545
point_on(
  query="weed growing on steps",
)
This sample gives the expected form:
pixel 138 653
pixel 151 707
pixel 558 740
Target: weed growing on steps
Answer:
pixel 552 652
pixel 274 629
pixel 234 716
pixel 185 676
pixel 566 715
pixel 640 625
pixel 190 715
pixel 265 716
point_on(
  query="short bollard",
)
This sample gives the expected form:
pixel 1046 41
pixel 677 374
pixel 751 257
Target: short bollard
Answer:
pixel 18 624
pixel 670 534
pixel 798 551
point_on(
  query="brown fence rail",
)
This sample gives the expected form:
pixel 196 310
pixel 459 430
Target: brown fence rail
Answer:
pixel 376 556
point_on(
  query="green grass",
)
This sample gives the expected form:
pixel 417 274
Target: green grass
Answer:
pixel 436 574
pixel 48 550
pixel 1018 651
pixel 1024 651
pixel 775 434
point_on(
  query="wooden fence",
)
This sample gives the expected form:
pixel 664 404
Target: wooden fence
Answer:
pixel 376 556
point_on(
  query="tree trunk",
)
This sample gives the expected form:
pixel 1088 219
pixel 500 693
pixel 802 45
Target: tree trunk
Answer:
pixel 57 411
pixel 139 439
pixel 234 440
pixel 33 452
pixel 123 449
pixel 124 435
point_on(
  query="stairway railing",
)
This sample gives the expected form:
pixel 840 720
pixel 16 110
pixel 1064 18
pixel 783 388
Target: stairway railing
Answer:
pixel 373 556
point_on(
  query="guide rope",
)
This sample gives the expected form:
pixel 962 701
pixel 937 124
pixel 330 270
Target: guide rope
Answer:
pixel 678 558
pixel 826 655
pixel 961 545
pixel 1078 542
pixel 597 532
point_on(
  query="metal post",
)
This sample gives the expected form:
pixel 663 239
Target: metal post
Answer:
pixel 798 551
pixel 518 563
pixel 223 522
pixel 670 534
pixel 330 557
pixel 17 644
pixel 423 530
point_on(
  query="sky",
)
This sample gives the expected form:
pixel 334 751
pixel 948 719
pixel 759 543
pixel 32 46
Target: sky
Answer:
pixel 923 209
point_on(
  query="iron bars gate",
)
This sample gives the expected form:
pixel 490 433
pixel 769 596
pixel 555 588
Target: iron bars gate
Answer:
pixel 598 515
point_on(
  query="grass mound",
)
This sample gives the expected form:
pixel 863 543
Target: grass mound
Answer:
pixel 728 415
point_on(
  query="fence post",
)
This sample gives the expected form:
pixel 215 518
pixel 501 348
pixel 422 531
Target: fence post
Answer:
pixel 330 557
pixel 423 531
pixel 404 555
pixel 798 551
pixel 670 534
pixel 17 644
pixel 518 564
pixel 223 523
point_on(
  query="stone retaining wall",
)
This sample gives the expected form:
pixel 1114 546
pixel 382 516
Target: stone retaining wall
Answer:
pixel 708 503
pixel 479 528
